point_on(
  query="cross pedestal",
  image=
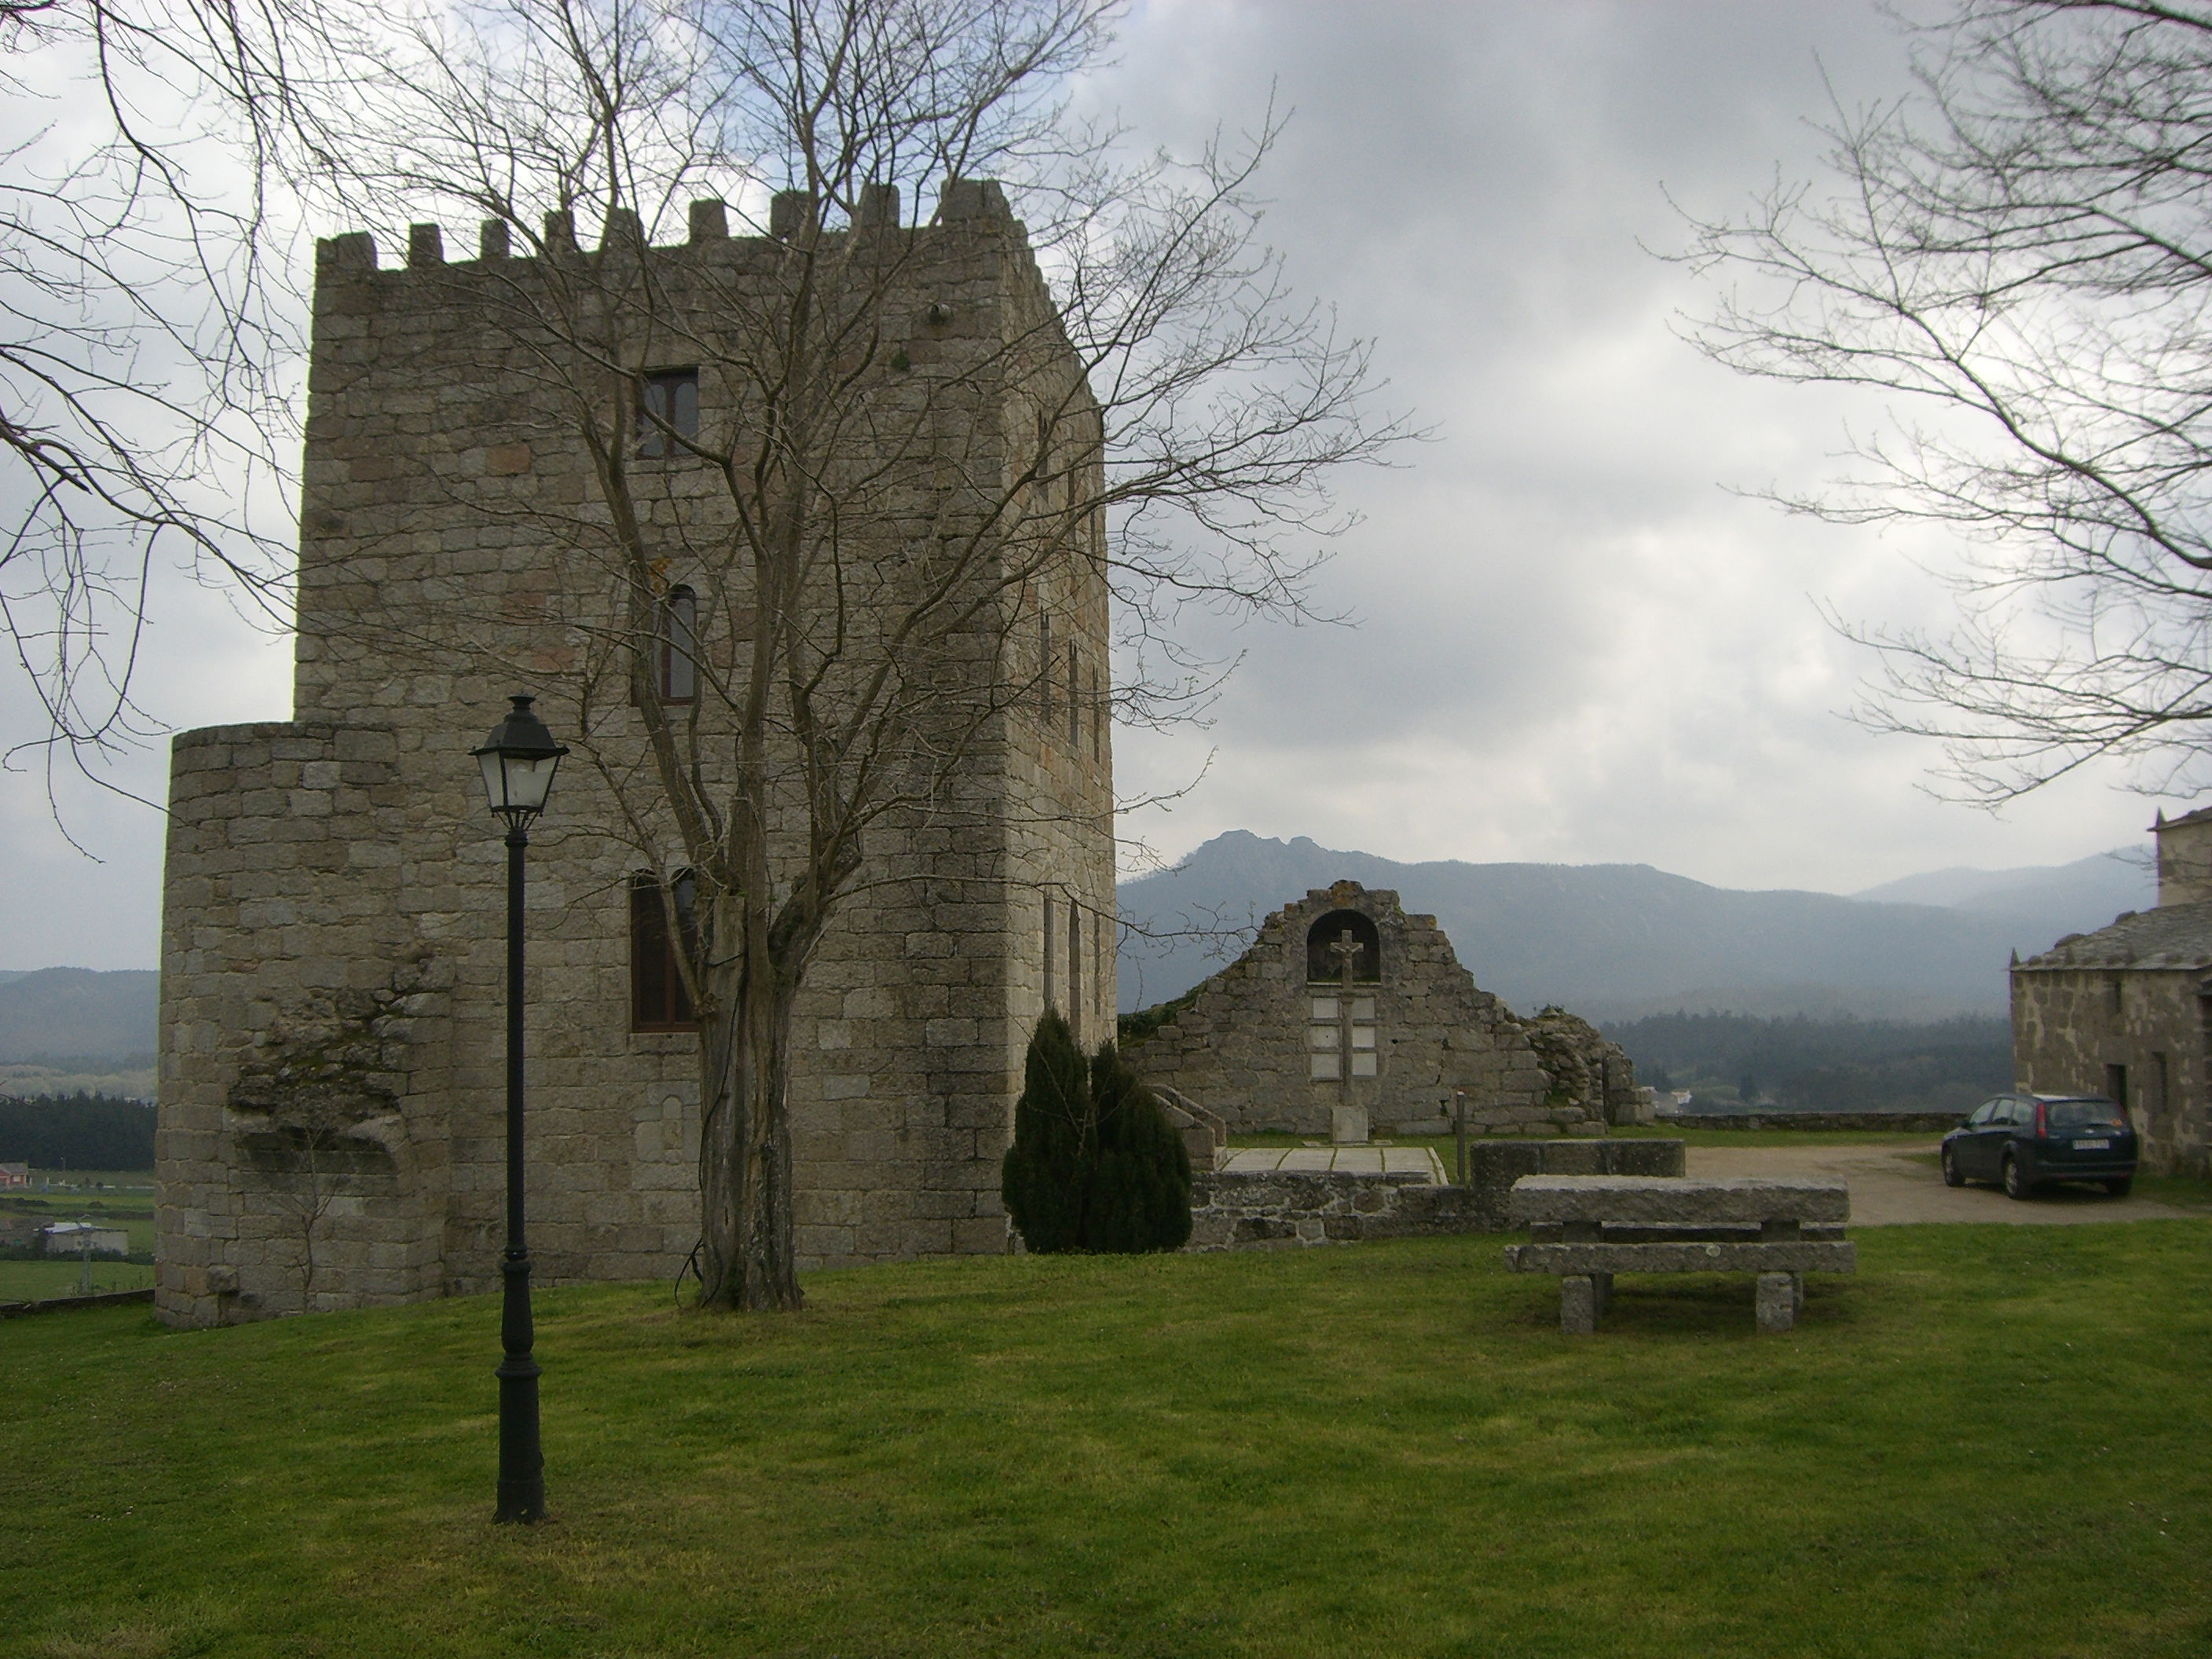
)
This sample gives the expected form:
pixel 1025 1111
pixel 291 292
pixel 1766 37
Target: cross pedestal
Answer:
pixel 1347 1123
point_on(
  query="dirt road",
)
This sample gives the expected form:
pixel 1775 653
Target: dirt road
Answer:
pixel 1899 1182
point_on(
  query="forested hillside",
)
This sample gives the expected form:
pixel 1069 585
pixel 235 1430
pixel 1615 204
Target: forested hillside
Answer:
pixel 1829 1065
pixel 78 1131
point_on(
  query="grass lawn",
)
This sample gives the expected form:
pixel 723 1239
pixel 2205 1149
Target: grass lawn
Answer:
pixel 34 1282
pixel 121 1198
pixel 1992 1440
pixel 1444 1146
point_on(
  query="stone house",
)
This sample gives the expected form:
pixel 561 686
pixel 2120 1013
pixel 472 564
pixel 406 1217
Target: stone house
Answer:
pixel 332 1001
pixel 1348 1016
pixel 2127 1011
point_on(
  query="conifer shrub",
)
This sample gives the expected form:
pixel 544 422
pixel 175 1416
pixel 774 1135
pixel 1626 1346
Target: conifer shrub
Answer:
pixel 1094 1164
pixel 1141 1191
pixel 1045 1177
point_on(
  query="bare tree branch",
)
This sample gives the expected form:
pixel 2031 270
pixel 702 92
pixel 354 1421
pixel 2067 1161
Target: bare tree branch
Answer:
pixel 2021 255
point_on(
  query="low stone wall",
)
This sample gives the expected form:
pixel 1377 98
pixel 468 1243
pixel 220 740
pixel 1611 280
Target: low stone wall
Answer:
pixel 1272 1209
pixel 60 1303
pixel 1264 1209
pixel 1903 1123
pixel 1495 1165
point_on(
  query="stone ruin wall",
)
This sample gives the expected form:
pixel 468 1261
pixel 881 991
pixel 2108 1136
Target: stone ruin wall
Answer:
pixel 1238 1044
pixel 333 957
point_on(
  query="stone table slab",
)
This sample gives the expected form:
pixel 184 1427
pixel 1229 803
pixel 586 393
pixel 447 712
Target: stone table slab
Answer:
pixel 1334 1160
pixel 1677 1199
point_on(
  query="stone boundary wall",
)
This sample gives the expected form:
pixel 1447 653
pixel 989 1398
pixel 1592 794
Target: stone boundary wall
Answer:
pixel 1904 1123
pixel 63 1303
pixel 1276 1209
pixel 1495 1165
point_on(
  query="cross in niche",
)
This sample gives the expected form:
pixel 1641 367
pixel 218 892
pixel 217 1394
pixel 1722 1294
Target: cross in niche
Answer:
pixel 1345 950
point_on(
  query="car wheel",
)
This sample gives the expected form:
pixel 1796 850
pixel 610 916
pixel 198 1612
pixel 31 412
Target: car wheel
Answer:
pixel 2016 1183
pixel 1952 1177
pixel 2119 1189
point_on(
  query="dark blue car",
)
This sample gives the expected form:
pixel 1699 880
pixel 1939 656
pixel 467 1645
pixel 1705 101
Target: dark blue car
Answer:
pixel 2023 1141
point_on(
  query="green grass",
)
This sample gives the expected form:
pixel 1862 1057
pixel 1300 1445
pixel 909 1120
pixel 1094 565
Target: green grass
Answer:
pixel 1992 1441
pixel 34 1282
pixel 121 1198
pixel 1443 1144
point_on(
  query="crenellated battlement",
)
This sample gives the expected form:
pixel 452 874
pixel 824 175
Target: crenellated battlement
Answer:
pixel 967 202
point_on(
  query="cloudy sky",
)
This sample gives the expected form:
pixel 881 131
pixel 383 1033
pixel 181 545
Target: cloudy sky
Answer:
pixel 1574 643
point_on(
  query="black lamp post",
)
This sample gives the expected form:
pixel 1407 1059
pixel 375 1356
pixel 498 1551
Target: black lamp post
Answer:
pixel 518 760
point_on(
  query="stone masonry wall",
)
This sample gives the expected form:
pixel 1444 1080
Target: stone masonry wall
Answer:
pixel 439 449
pixel 2069 1026
pixel 1273 1209
pixel 283 932
pixel 1242 1047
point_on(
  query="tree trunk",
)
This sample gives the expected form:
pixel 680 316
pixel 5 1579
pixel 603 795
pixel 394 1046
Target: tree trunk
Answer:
pixel 746 1259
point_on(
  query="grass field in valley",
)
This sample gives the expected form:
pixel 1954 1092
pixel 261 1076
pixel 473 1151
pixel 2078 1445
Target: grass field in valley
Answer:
pixel 1992 1440
pixel 37 1281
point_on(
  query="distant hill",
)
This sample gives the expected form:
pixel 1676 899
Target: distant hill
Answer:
pixel 2092 891
pixel 74 1014
pixel 1619 941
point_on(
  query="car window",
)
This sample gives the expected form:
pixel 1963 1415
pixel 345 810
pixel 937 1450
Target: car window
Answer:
pixel 2015 1112
pixel 2082 1115
pixel 1984 1113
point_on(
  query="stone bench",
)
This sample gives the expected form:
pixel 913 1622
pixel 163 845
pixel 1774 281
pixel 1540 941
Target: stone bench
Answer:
pixel 1584 1229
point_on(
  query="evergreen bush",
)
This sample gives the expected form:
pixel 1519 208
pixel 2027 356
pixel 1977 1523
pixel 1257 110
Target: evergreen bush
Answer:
pixel 1140 1192
pixel 1045 1177
pixel 1095 1164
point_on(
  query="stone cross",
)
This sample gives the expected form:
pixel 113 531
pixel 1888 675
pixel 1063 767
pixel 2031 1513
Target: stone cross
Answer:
pixel 1345 950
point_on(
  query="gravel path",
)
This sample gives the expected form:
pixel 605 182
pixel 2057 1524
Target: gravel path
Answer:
pixel 1900 1183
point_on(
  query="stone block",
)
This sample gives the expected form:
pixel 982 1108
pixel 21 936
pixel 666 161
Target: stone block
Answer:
pixel 1578 1304
pixel 1651 1199
pixel 1778 1298
pixel 1802 1256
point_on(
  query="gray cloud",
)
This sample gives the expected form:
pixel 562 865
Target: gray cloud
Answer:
pixel 1574 644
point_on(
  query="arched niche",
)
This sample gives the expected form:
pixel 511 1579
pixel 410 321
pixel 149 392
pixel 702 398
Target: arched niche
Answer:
pixel 1324 963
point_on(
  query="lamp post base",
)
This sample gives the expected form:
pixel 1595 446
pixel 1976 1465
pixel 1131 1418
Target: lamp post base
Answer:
pixel 521 1459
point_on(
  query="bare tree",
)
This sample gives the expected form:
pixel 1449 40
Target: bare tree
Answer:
pixel 2021 255
pixel 142 344
pixel 865 563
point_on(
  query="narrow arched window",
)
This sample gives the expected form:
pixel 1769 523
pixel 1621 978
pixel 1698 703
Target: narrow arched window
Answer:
pixel 1075 967
pixel 659 1001
pixel 667 411
pixel 676 647
pixel 1044 665
pixel 1074 699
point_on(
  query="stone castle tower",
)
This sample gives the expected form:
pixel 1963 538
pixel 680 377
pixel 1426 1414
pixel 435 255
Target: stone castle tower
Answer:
pixel 332 998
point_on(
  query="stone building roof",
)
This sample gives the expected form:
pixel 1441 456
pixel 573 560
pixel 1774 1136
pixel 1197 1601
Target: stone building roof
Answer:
pixel 2172 936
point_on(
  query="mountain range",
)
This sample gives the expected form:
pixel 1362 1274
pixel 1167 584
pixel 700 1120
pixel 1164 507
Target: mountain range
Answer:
pixel 72 1015
pixel 1619 941
pixel 1611 941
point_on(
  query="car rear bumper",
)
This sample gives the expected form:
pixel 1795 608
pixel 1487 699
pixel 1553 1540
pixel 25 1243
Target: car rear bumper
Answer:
pixel 2081 1169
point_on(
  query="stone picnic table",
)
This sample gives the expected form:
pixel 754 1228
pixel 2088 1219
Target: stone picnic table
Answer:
pixel 1584 1229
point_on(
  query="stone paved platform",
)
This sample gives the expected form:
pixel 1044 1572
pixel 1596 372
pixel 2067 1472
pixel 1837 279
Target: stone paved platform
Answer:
pixel 1335 1160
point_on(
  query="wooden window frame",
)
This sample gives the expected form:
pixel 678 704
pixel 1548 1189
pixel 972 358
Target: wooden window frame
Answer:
pixel 657 999
pixel 675 648
pixel 667 411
